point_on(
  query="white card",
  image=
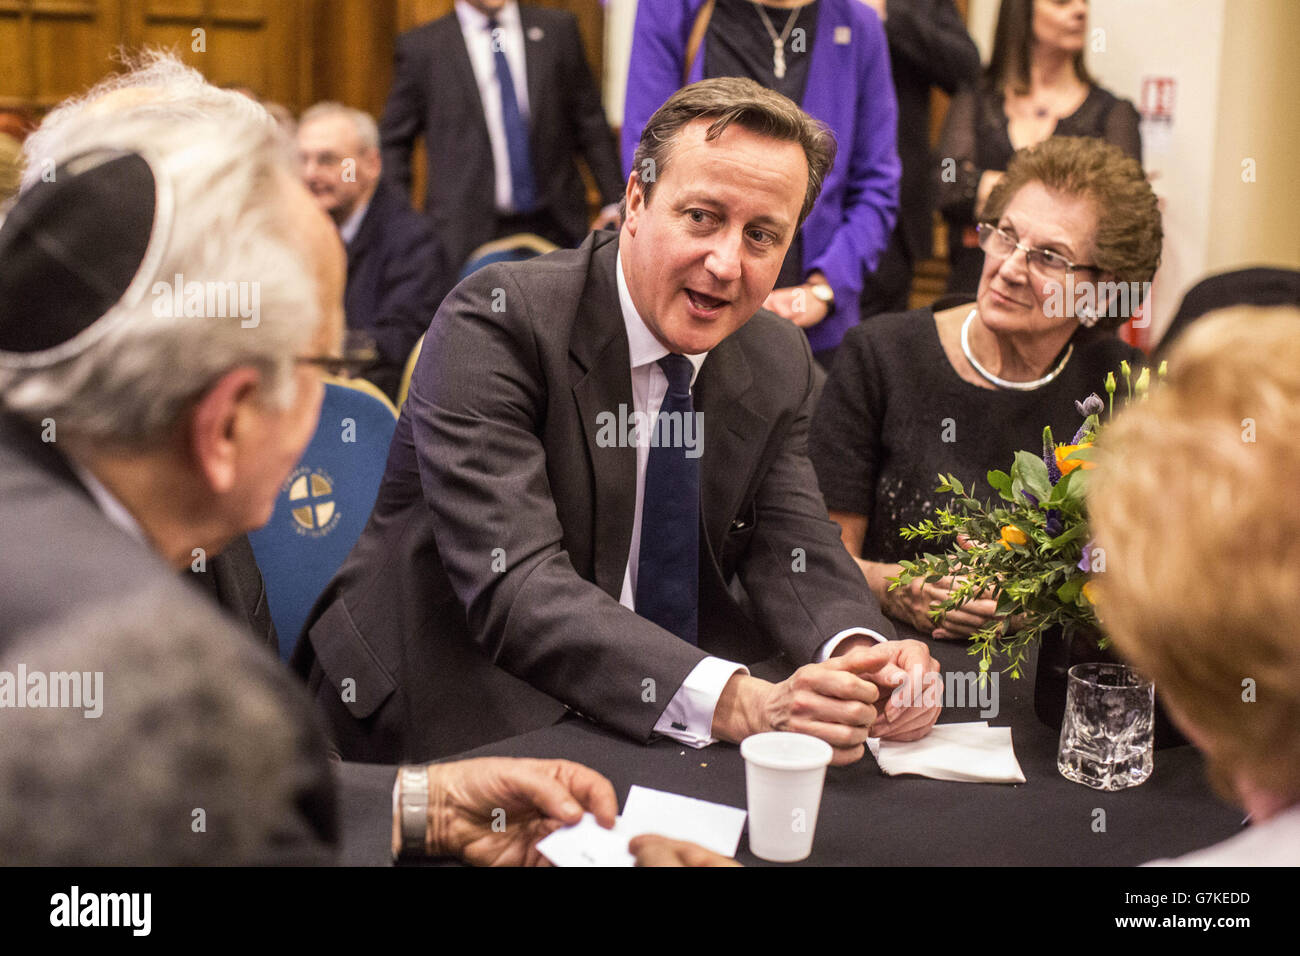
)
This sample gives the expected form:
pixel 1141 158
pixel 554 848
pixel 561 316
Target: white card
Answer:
pixel 711 825
pixel 587 843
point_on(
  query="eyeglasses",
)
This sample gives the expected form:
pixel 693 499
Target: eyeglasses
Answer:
pixel 359 354
pixel 1047 264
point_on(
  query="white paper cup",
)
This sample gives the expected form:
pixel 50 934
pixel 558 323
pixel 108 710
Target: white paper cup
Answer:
pixel 784 774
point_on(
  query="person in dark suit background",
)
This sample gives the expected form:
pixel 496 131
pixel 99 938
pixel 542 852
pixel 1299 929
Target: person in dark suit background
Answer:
pixel 928 46
pixel 134 440
pixel 529 553
pixel 500 156
pixel 398 271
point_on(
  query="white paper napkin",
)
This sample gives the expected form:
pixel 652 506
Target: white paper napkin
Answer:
pixel 587 843
pixel 967 753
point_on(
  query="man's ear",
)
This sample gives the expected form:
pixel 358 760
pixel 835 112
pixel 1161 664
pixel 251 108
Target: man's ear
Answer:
pixel 634 202
pixel 215 426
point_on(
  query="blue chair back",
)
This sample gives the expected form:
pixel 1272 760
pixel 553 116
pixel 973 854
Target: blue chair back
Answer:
pixel 514 248
pixel 324 503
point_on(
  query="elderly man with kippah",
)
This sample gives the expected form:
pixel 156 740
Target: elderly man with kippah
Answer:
pixel 133 438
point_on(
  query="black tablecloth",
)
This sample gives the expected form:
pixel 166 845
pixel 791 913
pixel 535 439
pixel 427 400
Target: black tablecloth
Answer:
pixel 868 818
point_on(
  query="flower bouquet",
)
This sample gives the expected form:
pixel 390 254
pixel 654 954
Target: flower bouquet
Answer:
pixel 1030 546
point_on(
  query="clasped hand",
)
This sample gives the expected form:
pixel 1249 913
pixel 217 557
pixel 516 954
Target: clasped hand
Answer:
pixel 838 700
pixel 914 603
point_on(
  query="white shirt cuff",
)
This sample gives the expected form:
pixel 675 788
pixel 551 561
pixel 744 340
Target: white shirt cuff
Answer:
pixel 688 718
pixel 828 648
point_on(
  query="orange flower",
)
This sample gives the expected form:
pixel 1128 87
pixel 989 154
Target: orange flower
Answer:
pixel 1013 535
pixel 1063 453
pixel 1090 592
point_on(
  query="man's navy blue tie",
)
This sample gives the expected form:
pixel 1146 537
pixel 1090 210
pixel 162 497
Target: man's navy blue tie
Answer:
pixel 668 570
pixel 523 186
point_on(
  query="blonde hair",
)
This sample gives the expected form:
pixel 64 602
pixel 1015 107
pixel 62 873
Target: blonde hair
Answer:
pixel 1194 503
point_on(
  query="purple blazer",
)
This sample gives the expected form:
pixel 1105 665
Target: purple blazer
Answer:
pixel 850 89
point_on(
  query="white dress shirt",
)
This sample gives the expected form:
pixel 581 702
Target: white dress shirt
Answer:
pixel 352 225
pixel 113 509
pixel 688 718
pixel 478 41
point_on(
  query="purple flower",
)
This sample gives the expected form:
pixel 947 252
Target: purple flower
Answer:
pixel 1092 405
pixel 1054 526
pixel 1085 562
pixel 1049 459
pixel 1032 500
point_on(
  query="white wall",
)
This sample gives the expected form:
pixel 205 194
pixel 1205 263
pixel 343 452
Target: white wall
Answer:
pixel 1180 39
pixel 1256 189
pixel 620 17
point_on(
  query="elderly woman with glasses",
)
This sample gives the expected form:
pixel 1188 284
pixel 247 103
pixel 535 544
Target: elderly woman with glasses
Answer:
pixel 1071 240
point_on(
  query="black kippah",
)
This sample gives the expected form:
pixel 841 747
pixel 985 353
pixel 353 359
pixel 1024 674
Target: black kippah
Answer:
pixel 70 250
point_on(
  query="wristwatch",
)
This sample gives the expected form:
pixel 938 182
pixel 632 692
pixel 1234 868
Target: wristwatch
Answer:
pixel 413 807
pixel 823 292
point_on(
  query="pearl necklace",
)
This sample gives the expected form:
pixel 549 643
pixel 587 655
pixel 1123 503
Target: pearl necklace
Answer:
pixel 1002 382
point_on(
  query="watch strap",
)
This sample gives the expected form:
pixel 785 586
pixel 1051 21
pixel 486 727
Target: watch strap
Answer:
pixel 413 810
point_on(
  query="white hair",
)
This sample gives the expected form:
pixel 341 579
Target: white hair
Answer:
pixel 362 122
pixel 153 81
pixel 225 162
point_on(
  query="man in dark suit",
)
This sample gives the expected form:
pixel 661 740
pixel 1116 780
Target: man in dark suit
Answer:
pixel 533 549
pixel 503 96
pixel 397 269
pixel 135 442
pixel 928 46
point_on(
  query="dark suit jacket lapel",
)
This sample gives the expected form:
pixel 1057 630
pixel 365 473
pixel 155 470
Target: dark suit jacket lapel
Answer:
pixel 734 434
pixel 600 350
pixel 453 45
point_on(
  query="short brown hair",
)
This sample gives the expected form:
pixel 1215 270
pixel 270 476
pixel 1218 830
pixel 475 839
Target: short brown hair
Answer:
pixel 727 100
pixel 1129 234
pixel 1193 502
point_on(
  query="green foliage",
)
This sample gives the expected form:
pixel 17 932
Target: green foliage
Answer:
pixel 1038 583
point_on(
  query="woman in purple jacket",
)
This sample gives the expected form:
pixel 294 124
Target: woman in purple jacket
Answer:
pixel 829 56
